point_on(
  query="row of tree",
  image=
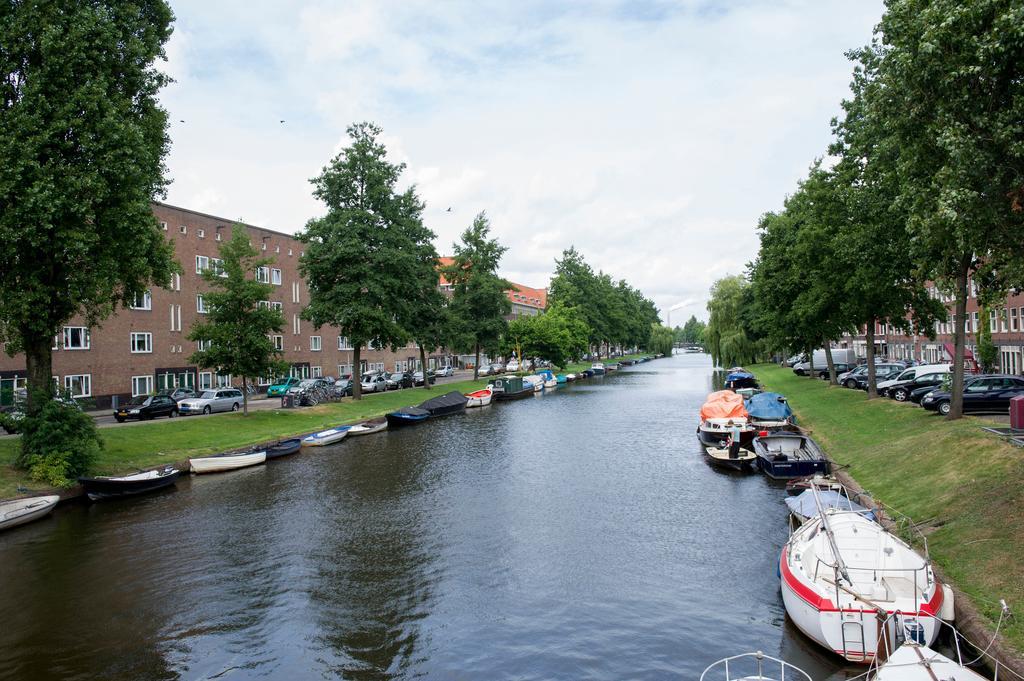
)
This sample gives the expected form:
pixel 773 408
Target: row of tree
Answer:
pixel 925 186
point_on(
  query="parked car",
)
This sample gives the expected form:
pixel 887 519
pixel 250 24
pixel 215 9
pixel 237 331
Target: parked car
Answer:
pixel 850 378
pixel 497 368
pixel 841 368
pixel 178 394
pixel 302 386
pixel 920 393
pixel 147 407
pixel 373 382
pixel 795 359
pixel 986 393
pixel 280 386
pixel 343 386
pixel 417 377
pixel 901 390
pixel 399 380
pixel 839 355
pixel 445 372
pixel 484 370
pixel 219 399
pixel 910 373
pixel 512 366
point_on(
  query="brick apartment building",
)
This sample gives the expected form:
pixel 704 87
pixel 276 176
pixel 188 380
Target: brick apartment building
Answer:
pixel 1006 322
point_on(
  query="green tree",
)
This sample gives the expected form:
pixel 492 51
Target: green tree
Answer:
pixel 951 99
pixel 692 331
pixel 236 332
pixel 727 339
pixel 575 285
pixel 987 351
pixel 557 335
pixel 82 143
pixel 358 255
pixel 479 303
pixel 661 339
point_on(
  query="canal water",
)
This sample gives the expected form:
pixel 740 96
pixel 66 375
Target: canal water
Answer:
pixel 574 535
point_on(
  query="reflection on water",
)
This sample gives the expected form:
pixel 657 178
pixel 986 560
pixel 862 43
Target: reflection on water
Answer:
pixel 574 535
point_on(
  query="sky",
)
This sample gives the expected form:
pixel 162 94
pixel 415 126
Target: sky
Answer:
pixel 650 135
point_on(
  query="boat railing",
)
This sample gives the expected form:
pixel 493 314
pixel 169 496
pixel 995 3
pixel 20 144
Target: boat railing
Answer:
pixel 877 577
pixel 740 666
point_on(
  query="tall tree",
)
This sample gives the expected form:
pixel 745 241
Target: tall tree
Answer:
pixel 82 144
pixel 558 335
pixel 575 285
pixel 479 304
pixel 235 335
pixel 952 101
pixel 357 259
pixel 727 339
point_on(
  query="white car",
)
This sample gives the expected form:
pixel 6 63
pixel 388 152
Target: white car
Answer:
pixel 445 371
pixel 220 399
pixel 373 383
pixel 513 365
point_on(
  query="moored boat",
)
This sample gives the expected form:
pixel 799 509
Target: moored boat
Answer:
pixel 550 382
pixel 768 411
pixel 510 388
pixel 451 402
pixel 721 413
pixel 740 378
pixel 407 416
pixel 722 457
pixel 916 662
pixel 597 369
pixel 752 667
pixel 561 379
pixel 112 487
pixel 326 437
pixel 479 398
pixel 783 455
pixel 535 382
pixel 284 448
pixel 14 512
pixel 219 463
pixel 803 506
pixel 368 428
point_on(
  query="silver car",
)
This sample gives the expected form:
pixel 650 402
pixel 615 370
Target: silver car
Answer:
pixel 219 399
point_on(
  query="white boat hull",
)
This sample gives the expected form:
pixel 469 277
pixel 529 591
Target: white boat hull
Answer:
pixel 20 511
pixel 361 429
pixel 913 662
pixel 218 464
pixel 551 385
pixel 481 401
pixel 325 437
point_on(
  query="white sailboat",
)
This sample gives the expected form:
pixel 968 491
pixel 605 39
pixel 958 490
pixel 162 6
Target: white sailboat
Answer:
pixel 753 667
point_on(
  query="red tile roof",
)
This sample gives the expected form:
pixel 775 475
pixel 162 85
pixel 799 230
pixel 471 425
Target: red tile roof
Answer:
pixel 523 295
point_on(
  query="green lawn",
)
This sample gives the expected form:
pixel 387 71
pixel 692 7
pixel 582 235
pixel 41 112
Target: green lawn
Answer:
pixel 164 441
pixel 961 483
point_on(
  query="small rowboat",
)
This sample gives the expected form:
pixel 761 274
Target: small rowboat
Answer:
pixel 479 398
pixel 284 448
pixel 107 487
pixel 367 428
pixel 326 437
pixel 20 511
pixel 561 379
pixel 407 416
pixel 722 458
pixel 226 462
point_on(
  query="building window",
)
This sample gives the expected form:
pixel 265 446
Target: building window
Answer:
pixel 203 345
pixel 974 322
pixel 1002 320
pixel 318 372
pixel 262 304
pixel 142 385
pixel 79 385
pixel 275 277
pixel 314 343
pixel 344 369
pixel 1013 319
pixel 202 264
pixel 264 380
pixel 163 226
pixel 142 341
pixel 278 343
pixel 143 301
pixel 343 343
pixel 296 325
pixel 183 229
pixel 277 306
pixel 263 275
pixel 205 380
pixel 201 305
pixel 295 291
pixel 76 338
pixel 992 321
pixel 175 284
pixel 223 380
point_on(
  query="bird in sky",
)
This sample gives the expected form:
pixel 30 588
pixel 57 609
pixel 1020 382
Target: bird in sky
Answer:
pixel 182 120
pixel 281 121
pixel 449 209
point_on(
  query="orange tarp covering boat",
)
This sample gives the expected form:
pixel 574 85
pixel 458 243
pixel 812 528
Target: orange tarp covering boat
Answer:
pixel 724 404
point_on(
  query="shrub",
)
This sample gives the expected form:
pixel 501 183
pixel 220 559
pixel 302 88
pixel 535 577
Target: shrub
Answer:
pixel 58 444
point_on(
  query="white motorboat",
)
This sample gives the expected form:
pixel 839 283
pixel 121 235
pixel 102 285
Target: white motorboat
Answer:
pixel 16 512
pixel 479 398
pixel 915 662
pixel 226 462
pixel 535 382
pixel 597 368
pixel 752 667
pixel 367 428
pixel 327 437
pixel 841 571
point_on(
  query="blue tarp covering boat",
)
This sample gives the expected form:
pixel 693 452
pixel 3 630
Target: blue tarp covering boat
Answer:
pixel 740 379
pixel 803 504
pixel 768 407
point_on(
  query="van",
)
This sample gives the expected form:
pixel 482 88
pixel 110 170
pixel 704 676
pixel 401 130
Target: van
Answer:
pixel 911 373
pixel 839 356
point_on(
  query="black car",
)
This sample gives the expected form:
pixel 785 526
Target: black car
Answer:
pixel 145 408
pixel 343 386
pixel 901 391
pixel 862 380
pixel 417 377
pixel 841 368
pixel 917 395
pixel 990 393
pixel 400 379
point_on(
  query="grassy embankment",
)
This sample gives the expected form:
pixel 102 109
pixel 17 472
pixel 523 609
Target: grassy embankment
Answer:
pixel 961 484
pixel 144 446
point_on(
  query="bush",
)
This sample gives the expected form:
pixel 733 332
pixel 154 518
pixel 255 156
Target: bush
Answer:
pixel 58 444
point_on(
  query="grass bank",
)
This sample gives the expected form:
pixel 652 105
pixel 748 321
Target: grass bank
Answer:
pixel 961 484
pixel 129 448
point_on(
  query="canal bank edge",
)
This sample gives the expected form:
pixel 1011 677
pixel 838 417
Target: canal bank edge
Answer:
pixel 173 442
pixel 960 485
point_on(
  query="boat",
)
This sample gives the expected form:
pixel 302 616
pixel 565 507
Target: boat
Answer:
pixel 479 398
pixel 326 437
pixel 284 448
pixel 747 393
pixel 803 506
pixel 111 487
pixel 903 657
pixel 510 388
pixel 627 362
pixel 782 455
pixel 611 366
pixel 586 373
pixel 721 412
pixel 916 662
pixel 550 382
pixel 562 379
pixel 796 486
pixel 742 460
pixel 367 428
pixel 752 667
pixel 14 512
pixel 597 369
pixel 225 462
pixel 407 416
pixel 768 411
pixel 535 382
pixel 840 572
pixel 451 402
pixel 570 377
pixel 740 378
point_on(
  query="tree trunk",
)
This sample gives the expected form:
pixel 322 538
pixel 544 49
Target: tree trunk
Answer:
pixel 810 361
pixel 245 396
pixel 423 363
pixel 956 398
pixel 869 337
pixel 357 385
pixel 830 363
pixel 39 366
pixel 476 363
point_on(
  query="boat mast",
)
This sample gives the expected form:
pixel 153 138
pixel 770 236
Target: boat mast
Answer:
pixel 840 563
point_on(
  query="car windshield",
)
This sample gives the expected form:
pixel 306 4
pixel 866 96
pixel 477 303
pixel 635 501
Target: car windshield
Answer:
pixel 208 394
pixel 138 401
pixel 397 376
